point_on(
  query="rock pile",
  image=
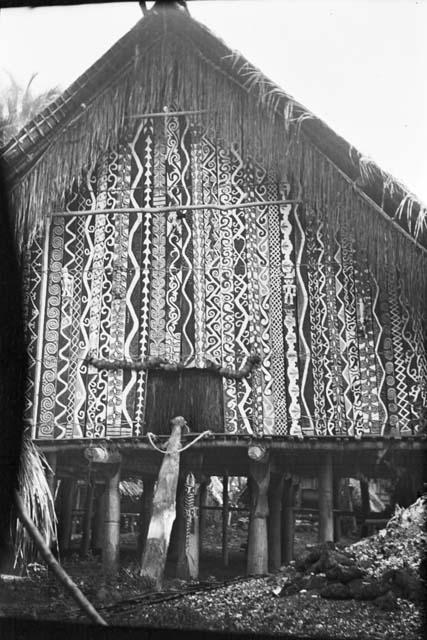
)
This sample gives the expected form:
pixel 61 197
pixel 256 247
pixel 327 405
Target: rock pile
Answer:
pixel 381 568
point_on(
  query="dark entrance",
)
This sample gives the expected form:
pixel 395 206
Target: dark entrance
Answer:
pixel 195 394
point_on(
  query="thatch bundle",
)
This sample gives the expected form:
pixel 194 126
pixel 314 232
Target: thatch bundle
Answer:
pixel 37 500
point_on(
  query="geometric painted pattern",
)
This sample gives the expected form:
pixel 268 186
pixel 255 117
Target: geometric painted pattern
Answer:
pixel 340 354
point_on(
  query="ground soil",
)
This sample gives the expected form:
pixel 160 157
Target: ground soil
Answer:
pixel 251 605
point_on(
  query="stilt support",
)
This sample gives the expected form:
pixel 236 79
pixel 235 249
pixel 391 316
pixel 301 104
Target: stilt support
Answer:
pixel 111 546
pixel 325 499
pixel 225 512
pixel 288 519
pixel 98 525
pixel 146 510
pixel 87 518
pixel 275 522
pixel 66 513
pixel 257 562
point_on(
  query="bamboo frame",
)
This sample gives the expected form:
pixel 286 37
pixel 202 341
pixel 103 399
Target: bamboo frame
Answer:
pixel 188 207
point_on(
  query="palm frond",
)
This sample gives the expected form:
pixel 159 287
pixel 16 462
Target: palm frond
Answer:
pixel 37 499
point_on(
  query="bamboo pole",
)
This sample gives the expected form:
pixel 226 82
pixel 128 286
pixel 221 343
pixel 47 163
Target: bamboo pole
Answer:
pixel 188 207
pixel 54 565
pixel 225 512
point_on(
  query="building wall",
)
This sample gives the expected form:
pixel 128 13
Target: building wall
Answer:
pixel 338 354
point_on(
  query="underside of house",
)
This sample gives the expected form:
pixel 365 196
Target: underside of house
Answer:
pixel 202 246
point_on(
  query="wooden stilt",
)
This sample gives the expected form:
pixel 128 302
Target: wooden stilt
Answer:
pixel 111 546
pixel 225 512
pixel 325 499
pixel 66 513
pixel 366 505
pixel 336 504
pixel 275 522
pixel 257 562
pixel 146 510
pixel 203 497
pixel 98 525
pixel 188 528
pixel 164 508
pixel 288 520
pixel 87 518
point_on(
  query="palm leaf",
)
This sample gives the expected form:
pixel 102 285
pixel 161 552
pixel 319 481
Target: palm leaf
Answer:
pixel 37 499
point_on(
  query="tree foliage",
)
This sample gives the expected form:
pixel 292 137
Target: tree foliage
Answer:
pixel 19 104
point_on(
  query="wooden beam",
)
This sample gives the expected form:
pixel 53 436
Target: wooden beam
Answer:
pixel 164 508
pixel 225 512
pixel 275 521
pixel 111 546
pixel 325 498
pixel 288 520
pixel 257 562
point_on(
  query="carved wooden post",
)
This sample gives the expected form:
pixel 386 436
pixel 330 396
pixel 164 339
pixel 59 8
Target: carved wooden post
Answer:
pixel 66 513
pixel 225 512
pixel 257 562
pixel 325 499
pixel 275 522
pixel 87 518
pixel 111 546
pixel 188 528
pixel 288 519
pixel 164 508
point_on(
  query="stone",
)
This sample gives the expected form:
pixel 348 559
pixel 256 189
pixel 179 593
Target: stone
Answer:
pixel 345 574
pixel 336 591
pixel 386 602
pixel 366 589
pixel 410 584
pixel 330 558
pixel 315 581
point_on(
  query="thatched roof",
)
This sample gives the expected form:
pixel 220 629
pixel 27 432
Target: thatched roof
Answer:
pixel 169 57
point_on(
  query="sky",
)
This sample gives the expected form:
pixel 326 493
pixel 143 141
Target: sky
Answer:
pixel 360 65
